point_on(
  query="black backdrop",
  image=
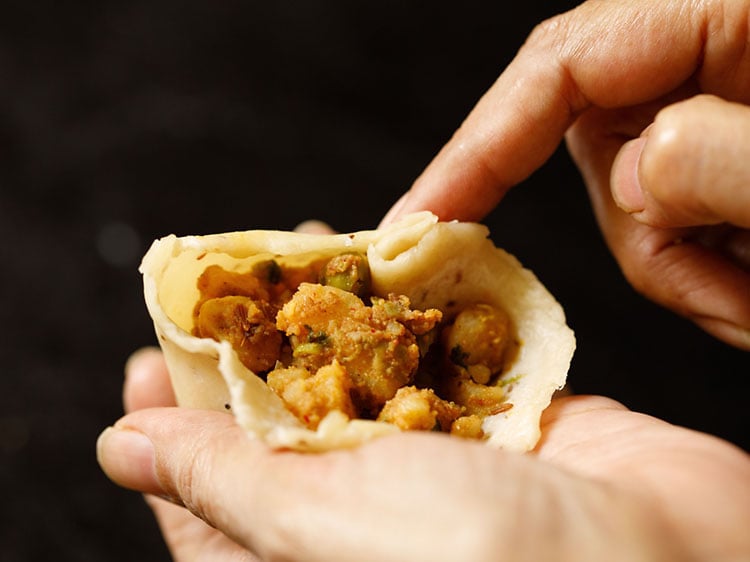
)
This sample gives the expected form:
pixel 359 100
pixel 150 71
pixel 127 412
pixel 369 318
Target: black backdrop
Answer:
pixel 124 121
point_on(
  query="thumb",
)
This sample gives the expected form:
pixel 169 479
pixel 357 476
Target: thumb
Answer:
pixel 199 459
pixel 690 168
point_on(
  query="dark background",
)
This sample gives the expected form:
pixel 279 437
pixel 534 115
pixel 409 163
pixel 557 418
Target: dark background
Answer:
pixel 124 121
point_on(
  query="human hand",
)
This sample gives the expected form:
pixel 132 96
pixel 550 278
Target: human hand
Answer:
pixel 674 205
pixel 604 483
pixel 627 81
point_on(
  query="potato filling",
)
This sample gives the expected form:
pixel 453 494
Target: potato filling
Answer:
pixel 320 347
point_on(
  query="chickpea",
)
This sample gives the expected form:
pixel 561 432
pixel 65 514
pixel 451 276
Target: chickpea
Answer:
pixel 245 323
pixel 477 340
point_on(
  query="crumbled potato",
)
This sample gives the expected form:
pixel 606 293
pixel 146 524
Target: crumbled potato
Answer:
pixel 323 349
pixel 380 354
pixel 413 408
pixel 311 396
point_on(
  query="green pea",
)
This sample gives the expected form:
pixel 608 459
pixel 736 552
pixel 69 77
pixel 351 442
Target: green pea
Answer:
pixel 309 348
pixel 349 272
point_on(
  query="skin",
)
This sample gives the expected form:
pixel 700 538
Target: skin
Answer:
pixel 604 483
pixel 651 98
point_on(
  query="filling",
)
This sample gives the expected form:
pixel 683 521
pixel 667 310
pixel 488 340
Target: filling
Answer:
pixel 308 330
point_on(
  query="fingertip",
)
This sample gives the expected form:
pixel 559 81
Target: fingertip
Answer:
pixel 313 227
pixel 127 457
pixel 574 404
pixel 142 359
pixel 195 458
pixel 395 211
pixel 147 381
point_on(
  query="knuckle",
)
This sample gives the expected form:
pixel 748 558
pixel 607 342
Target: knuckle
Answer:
pixel 678 134
pixel 547 29
pixel 193 481
pixel 555 35
pixel 641 260
pixel 664 155
pixel 634 275
pixel 692 164
pixel 659 268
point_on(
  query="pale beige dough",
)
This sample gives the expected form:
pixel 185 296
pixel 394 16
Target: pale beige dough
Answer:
pixel 444 265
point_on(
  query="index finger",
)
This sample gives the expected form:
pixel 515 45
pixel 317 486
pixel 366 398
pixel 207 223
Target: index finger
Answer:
pixel 607 53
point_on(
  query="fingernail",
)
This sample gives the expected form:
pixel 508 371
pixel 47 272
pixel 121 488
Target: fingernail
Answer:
pixel 626 183
pixel 127 458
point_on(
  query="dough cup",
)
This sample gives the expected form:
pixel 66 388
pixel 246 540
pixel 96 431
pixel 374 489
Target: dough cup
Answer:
pixel 444 265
